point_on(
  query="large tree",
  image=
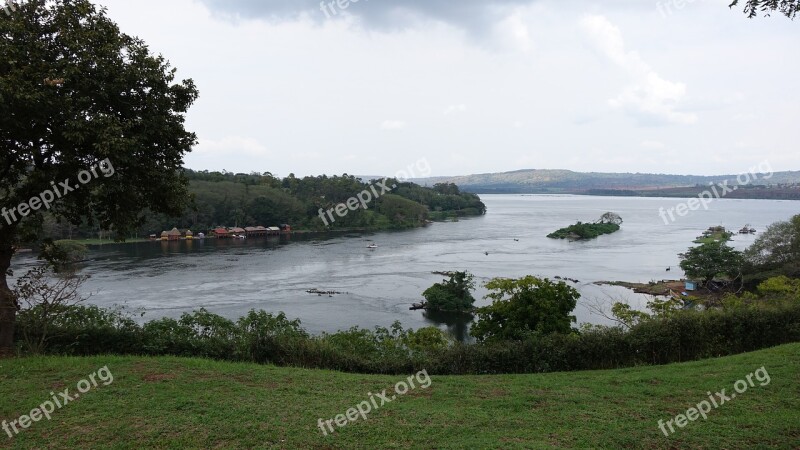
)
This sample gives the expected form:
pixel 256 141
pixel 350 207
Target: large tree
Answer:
pixel 752 8
pixel 454 294
pixel 710 260
pixel 77 95
pixel 776 251
pixel 524 306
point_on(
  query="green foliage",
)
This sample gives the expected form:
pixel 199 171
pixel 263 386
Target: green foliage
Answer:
pixel 627 316
pixel 775 252
pixel 581 231
pixel 427 339
pixel 264 338
pixel 781 286
pixel 524 306
pixel 710 260
pixel 109 100
pixel 453 294
pixel 78 95
pixel 659 308
pixel 227 199
pixel 61 256
pixel 666 307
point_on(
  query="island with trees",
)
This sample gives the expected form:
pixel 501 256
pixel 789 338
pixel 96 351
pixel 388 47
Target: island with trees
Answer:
pixel 607 223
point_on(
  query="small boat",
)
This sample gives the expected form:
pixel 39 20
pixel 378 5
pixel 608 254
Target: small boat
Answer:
pixel 747 229
pixel 372 246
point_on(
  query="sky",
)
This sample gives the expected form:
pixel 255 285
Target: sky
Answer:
pixel 375 87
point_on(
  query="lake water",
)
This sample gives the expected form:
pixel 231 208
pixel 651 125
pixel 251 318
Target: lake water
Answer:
pixel 230 277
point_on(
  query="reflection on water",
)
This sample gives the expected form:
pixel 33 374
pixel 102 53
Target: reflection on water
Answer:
pixel 457 323
pixel 230 277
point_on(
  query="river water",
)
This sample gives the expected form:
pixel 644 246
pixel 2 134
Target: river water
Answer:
pixel 230 277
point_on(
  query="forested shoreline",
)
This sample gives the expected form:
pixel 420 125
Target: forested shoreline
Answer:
pixel 229 199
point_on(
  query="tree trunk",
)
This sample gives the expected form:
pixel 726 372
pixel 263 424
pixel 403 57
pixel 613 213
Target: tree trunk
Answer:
pixel 8 306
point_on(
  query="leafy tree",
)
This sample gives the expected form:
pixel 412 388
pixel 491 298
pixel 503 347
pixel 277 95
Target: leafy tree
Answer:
pixel 446 188
pixel 710 260
pixel 76 92
pixel 454 294
pixel 524 306
pixel 789 8
pixel 776 251
pixel 627 316
pixel 780 286
pixel 62 255
pixel 426 339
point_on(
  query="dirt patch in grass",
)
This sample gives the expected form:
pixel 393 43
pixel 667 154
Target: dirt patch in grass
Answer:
pixel 158 377
pixel 493 393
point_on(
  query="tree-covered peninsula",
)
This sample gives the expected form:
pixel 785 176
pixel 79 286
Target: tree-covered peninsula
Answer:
pixel 228 199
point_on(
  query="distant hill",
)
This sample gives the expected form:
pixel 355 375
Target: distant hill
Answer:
pixel 535 181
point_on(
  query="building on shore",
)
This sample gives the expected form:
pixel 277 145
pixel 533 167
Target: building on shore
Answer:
pixel 220 233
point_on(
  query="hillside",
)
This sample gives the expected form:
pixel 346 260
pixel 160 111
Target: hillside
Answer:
pixel 566 181
pixel 192 403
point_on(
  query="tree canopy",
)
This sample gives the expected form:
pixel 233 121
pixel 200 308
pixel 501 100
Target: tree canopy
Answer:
pixel 710 260
pixel 524 306
pixel 454 294
pixel 77 96
pixel 776 251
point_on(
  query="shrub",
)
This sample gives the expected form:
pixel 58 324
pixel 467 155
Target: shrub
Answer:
pixel 265 338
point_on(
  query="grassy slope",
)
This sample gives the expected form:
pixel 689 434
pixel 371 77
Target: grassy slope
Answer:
pixel 180 403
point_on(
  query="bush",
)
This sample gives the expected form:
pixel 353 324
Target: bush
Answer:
pixel 264 338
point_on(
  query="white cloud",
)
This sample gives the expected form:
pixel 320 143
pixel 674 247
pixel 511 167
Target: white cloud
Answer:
pixel 455 108
pixel 655 145
pixel 514 33
pixel 302 95
pixel 393 125
pixel 650 97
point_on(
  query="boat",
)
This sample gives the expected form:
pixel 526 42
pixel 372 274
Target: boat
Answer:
pixel 372 246
pixel 747 229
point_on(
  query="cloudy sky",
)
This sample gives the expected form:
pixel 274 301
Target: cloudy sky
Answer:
pixel 477 86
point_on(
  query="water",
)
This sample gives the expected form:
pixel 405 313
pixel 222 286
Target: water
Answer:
pixel 230 277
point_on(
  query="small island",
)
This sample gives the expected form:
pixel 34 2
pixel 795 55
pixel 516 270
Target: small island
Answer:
pixel 714 234
pixel 608 223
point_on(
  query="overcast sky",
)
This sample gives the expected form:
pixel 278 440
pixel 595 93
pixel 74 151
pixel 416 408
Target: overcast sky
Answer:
pixel 477 86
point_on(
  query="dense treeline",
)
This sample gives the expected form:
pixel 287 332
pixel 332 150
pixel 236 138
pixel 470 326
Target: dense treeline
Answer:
pixel 228 199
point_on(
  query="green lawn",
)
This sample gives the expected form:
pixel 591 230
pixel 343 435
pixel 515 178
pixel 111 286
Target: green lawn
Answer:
pixel 192 403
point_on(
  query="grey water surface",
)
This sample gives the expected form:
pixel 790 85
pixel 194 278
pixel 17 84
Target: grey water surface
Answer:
pixel 230 277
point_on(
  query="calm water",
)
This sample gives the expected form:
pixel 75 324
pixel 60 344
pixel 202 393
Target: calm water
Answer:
pixel 231 277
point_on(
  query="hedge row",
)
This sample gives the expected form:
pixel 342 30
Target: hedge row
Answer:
pixel 263 338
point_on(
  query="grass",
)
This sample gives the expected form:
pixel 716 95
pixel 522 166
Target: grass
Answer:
pixel 193 403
